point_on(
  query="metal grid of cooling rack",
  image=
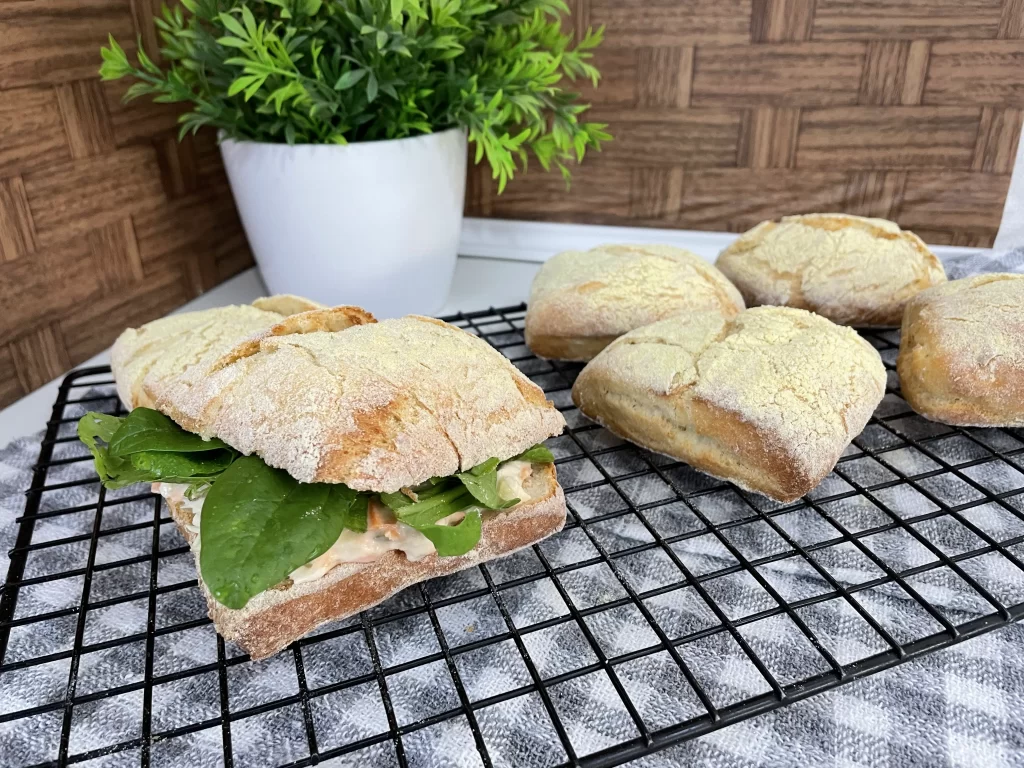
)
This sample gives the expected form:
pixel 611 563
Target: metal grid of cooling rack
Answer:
pixel 672 604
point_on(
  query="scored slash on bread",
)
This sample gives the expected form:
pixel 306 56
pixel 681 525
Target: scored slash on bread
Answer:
pixel 276 617
pixel 767 400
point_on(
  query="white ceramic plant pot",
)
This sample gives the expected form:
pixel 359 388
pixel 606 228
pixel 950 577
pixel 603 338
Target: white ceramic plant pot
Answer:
pixel 374 224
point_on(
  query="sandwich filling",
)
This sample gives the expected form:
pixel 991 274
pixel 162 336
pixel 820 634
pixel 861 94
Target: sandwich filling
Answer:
pixel 384 531
pixel 256 527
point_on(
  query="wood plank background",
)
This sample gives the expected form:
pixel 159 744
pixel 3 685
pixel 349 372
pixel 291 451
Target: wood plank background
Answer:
pixel 726 112
pixel 106 220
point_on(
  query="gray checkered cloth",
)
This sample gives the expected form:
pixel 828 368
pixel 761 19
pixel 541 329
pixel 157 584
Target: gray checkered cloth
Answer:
pixel 959 706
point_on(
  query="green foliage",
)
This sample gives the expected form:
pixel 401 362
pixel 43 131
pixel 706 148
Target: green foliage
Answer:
pixel 340 71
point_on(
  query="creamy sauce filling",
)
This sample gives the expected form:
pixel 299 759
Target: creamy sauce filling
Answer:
pixel 511 476
pixel 384 532
pixel 176 492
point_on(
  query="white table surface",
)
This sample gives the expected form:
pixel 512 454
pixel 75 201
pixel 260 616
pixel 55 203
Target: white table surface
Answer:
pixel 479 283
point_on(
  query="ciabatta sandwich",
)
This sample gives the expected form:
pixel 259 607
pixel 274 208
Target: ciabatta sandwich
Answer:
pixel 318 461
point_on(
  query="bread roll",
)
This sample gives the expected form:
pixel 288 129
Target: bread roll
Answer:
pixel 332 396
pixel 854 271
pixel 582 300
pixel 962 352
pixel 767 400
pixel 276 617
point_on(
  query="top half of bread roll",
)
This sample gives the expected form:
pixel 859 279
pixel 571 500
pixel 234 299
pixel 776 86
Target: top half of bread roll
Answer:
pixel 852 270
pixel 610 290
pixel 330 395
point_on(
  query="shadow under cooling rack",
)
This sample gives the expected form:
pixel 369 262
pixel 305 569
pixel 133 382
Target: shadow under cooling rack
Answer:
pixel 672 604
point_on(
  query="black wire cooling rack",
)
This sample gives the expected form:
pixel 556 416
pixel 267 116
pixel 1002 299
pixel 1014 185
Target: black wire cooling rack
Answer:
pixel 671 605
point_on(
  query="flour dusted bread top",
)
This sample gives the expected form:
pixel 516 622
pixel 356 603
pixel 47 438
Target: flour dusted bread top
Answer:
pixel 852 270
pixel 332 396
pixel 610 290
pixel 962 351
pixel 164 348
pixel 768 399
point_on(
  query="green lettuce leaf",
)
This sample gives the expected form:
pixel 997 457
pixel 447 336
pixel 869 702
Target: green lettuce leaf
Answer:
pixel 454 540
pixel 119 470
pixel 93 427
pixel 448 540
pixel 429 511
pixel 539 454
pixel 162 465
pixel 482 482
pixel 147 430
pixel 259 524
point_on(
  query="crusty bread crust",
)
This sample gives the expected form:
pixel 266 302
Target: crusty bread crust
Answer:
pixel 579 349
pixel 581 301
pixel 164 348
pixel 851 270
pixel 329 395
pixel 768 400
pixel 961 355
pixel 275 618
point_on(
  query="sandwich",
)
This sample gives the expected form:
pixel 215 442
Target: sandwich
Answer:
pixel 318 461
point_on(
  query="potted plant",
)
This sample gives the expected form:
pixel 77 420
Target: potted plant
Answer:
pixel 344 125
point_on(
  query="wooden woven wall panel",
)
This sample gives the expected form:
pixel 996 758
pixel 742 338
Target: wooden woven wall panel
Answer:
pixel 792 75
pixel 906 19
pixel 693 138
pixel 30 124
pixel 727 112
pixel 105 220
pixel 887 137
pixel 668 22
pixel 963 72
pixel 55 41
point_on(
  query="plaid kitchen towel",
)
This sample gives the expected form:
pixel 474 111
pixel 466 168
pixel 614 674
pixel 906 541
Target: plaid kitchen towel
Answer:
pixel 959 706
pixel 984 261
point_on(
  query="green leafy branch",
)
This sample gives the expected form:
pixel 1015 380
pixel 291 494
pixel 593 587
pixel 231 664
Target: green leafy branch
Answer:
pixel 340 71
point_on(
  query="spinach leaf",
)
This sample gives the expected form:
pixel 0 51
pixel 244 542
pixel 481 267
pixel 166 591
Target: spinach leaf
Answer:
pixel 423 491
pixel 99 426
pixel 448 540
pixel 538 454
pixel 395 501
pixel 452 540
pixel 144 466
pixel 259 524
pixel 433 509
pixel 114 472
pixel 356 505
pixel 147 430
pixel 482 482
pixel 488 466
pixel 163 465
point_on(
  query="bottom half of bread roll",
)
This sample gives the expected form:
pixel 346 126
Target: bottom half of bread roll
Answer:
pixel 276 617
pixel 952 389
pixel 707 438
